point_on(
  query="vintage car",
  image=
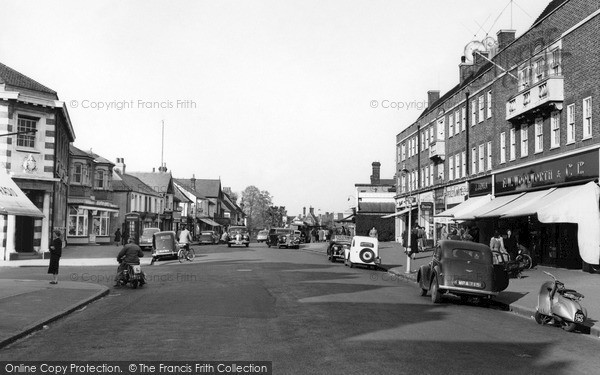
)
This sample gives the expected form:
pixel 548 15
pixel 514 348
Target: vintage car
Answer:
pixel 146 238
pixel 337 246
pixel 208 237
pixel 164 245
pixel 462 268
pixel 362 250
pixel 273 237
pixel 238 235
pixel 284 237
pixel 262 236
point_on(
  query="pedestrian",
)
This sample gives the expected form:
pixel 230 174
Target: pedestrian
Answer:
pixel 498 249
pixel 444 233
pixel 125 237
pixel 510 243
pixel 321 234
pixel 55 254
pixel 454 235
pixel 118 237
pixel 373 232
pixel 414 240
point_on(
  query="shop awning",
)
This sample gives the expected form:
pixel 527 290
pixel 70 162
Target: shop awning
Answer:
pixel 347 219
pixel 464 208
pixel 524 202
pixel 489 206
pixel 579 206
pixel 94 208
pixel 399 213
pixel 13 201
pixel 210 222
pixel 534 203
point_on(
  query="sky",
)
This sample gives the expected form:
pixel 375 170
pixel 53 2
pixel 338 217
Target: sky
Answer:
pixel 297 98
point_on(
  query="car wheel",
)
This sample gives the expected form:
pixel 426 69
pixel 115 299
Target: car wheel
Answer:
pixel 366 255
pixel 436 296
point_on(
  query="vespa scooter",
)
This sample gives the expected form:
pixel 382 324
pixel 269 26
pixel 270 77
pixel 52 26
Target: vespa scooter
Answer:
pixel 559 306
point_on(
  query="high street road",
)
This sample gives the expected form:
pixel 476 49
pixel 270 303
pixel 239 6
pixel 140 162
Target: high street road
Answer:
pixel 306 315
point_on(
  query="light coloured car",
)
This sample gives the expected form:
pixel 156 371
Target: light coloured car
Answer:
pixel 146 237
pixel 363 251
pixel 262 236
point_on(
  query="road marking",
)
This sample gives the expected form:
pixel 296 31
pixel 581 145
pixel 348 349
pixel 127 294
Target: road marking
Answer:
pixel 245 270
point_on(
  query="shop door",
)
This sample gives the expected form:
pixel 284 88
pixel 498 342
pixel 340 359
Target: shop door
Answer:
pixel 24 234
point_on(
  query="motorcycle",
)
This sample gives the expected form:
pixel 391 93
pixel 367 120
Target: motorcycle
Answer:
pixel 559 306
pixel 524 257
pixel 132 274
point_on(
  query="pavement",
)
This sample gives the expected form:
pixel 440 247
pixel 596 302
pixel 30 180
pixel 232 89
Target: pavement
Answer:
pixel 30 305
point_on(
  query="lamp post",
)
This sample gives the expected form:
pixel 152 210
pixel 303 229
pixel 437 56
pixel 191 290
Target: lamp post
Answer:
pixel 404 173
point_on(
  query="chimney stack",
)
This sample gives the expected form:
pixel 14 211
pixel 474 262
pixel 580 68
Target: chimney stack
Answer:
pixel 193 181
pixel 375 177
pixel 303 211
pixel 120 165
pixel 505 37
pixel 432 97
pixel 312 210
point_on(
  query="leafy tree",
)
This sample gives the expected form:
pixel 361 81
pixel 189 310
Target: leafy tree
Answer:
pixel 256 205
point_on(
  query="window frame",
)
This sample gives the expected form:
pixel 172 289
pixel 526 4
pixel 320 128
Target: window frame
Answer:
pixel 554 130
pixel 586 116
pixel 571 123
pixel 539 135
pixel 502 148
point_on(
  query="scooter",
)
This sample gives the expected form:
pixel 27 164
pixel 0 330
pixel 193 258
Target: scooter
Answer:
pixel 559 306
pixel 132 274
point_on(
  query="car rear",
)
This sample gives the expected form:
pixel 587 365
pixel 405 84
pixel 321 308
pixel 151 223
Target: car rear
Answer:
pixel 146 238
pixel 468 271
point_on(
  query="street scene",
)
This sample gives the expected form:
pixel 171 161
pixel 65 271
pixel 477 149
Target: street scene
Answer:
pixel 282 187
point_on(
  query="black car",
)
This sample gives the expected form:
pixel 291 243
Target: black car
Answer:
pixel 337 246
pixel 283 237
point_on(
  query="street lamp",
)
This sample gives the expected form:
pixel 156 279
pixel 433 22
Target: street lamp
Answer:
pixel 404 172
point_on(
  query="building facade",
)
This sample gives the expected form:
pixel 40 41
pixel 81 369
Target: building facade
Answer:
pixel 374 201
pixel 35 152
pixel 521 125
pixel 90 200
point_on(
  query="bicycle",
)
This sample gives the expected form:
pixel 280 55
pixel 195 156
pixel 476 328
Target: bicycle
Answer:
pixel 524 257
pixel 185 254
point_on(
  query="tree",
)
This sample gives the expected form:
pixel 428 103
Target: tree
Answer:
pixel 256 205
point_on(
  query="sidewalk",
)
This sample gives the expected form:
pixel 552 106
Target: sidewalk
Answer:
pixel 29 305
pixel 521 295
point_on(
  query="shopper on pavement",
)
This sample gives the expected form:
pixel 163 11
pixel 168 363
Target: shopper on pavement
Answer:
pixel 55 254
pixel 118 237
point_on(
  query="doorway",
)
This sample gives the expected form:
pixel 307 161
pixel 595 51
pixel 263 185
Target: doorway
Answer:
pixel 24 234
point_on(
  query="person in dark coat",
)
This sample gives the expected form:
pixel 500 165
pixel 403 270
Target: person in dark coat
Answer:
pixel 414 240
pixel 55 254
pixel 118 237
pixel 129 254
pixel 510 244
pixel 125 237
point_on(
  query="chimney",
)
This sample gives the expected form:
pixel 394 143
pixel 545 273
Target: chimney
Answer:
pixel 311 210
pixel 162 168
pixel 303 211
pixel 505 37
pixel 153 169
pixel 480 58
pixel 464 69
pixel 120 165
pixel 193 181
pixel 375 179
pixel 432 97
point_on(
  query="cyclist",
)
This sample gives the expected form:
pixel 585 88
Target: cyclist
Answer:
pixel 185 238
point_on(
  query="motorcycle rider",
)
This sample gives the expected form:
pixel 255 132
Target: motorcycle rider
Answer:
pixel 129 254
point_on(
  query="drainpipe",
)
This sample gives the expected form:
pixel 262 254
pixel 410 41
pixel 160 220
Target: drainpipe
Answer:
pixel 467 126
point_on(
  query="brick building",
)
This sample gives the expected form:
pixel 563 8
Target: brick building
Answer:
pixel 516 138
pixel 37 159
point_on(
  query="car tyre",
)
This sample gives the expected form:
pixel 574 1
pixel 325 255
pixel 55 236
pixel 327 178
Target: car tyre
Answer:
pixel 366 255
pixel 436 295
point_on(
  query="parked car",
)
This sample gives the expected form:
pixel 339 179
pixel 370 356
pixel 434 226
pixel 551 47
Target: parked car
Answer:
pixel 462 268
pixel 273 237
pixel 164 245
pixel 146 238
pixel 238 235
pixel 362 250
pixel 262 236
pixel 337 247
pixel 291 239
pixel 208 237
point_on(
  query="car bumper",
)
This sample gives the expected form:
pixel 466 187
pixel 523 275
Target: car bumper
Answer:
pixel 241 242
pixel 475 292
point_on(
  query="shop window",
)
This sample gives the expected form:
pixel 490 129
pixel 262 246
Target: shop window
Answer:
pixel 78 222
pixel 101 223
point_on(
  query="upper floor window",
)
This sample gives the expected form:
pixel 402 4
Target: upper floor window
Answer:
pixel 27 125
pixel 489 104
pixel 431 134
pixel 474 160
pixel 555 62
pixel 489 156
pixel 539 135
pixel 502 147
pixel 555 129
pixel 539 67
pixel 403 151
pixel 451 168
pixel 463 158
pixel 450 125
pixel 440 173
pixel 464 118
pixel 587 117
pixel 524 141
pixel 441 129
pixel 431 174
pixel 570 123
pixel 513 144
pixel 473 113
pixel 481 158
pixel 481 107
pixel 77 173
pixel 457 120
pixel 524 77
pixel 456 165
pixel 100 179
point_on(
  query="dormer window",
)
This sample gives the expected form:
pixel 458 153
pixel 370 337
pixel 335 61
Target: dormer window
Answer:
pixel 77 173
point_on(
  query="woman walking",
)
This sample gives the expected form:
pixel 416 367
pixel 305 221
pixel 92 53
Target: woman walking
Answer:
pixel 55 254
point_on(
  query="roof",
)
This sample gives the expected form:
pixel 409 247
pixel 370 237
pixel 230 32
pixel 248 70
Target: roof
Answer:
pixel 178 195
pixel 554 4
pixel 382 182
pixel 378 207
pixel 11 77
pixel 206 188
pixel 77 152
pixel 161 182
pixel 126 182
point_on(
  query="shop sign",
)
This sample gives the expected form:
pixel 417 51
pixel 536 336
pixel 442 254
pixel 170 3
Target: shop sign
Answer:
pixel 580 167
pixel 480 186
pixel 427 208
pixel 456 193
